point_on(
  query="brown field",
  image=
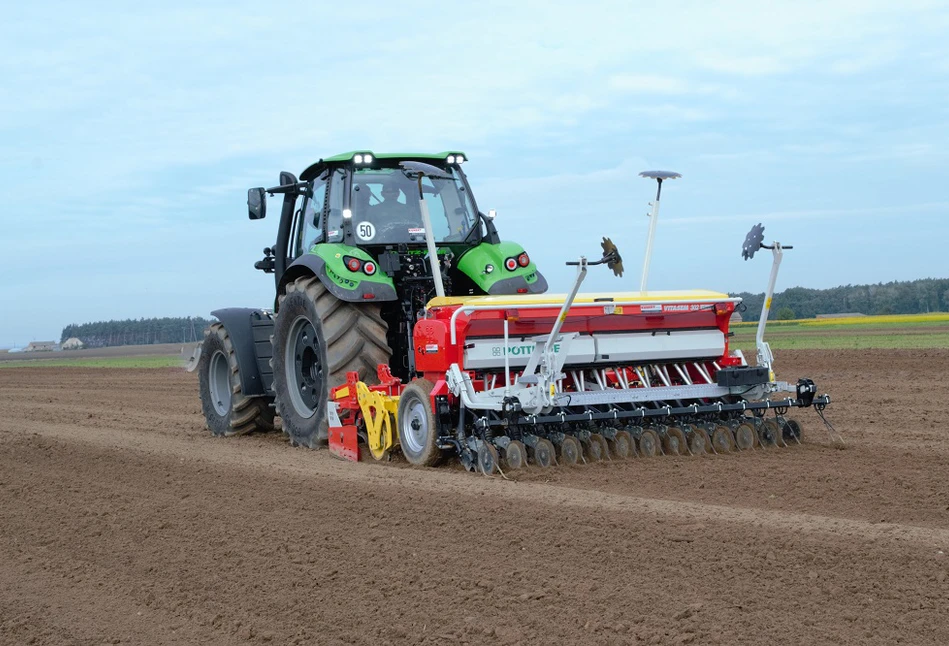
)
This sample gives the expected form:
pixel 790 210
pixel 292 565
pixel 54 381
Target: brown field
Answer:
pixel 123 521
pixel 157 349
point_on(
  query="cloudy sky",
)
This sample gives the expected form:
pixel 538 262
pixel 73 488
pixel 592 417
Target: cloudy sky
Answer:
pixel 128 138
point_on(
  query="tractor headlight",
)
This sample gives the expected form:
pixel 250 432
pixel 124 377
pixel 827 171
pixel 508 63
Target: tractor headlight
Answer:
pixel 347 214
pixel 357 159
pixel 367 159
pixel 450 159
pixel 523 260
pixel 459 159
pixel 510 264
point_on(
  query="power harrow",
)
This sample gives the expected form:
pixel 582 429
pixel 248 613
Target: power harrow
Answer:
pixel 503 381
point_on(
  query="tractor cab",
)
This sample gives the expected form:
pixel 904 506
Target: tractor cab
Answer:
pixel 356 221
pixel 374 200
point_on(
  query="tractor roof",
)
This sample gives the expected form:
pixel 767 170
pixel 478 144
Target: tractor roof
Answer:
pixel 314 170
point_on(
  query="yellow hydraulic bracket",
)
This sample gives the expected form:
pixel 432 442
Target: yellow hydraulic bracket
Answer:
pixel 380 413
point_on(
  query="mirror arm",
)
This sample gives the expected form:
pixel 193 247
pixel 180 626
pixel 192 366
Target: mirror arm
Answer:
pixel 296 189
pixel 492 237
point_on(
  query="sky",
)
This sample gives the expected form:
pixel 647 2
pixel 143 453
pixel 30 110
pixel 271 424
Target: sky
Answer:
pixel 130 133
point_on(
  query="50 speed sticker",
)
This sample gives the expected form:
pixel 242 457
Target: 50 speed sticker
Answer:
pixel 365 231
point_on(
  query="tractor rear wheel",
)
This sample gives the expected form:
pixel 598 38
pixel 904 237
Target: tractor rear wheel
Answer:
pixel 318 339
pixel 226 409
pixel 418 432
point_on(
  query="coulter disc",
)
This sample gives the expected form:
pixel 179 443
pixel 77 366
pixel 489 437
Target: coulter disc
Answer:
pixel 791 431
pixel 745 436
pixel 699 441
pixel 596 450
pixel 723 441
pixel 488 459
pixel 648 444
pixel 621 447
pixel 515 455
pixel 674 441
pixel 569 452
pixel 768 433
pixel 543 453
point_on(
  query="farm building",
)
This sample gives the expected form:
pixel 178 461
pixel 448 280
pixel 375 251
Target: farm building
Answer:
pixel 40 346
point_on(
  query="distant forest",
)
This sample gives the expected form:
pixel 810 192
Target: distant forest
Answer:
pixel 909 297
pixel 140 332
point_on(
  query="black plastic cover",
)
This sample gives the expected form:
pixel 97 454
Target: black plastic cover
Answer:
pixel 743 376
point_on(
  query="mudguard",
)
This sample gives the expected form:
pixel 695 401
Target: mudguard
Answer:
pixel 501 280
pixel 249 330
pixel 325 261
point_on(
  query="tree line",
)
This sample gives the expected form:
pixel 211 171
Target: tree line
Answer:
pixel 898 297
pixel 137 332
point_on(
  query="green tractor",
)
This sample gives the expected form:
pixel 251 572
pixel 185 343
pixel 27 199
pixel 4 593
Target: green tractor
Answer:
pixel 353 270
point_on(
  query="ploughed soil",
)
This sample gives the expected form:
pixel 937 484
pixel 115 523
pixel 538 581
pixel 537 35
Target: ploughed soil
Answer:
pixel 123 521
pixel 183 350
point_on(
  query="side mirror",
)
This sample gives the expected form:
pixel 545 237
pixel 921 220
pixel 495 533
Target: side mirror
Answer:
pixel 491 214
pixel 256 204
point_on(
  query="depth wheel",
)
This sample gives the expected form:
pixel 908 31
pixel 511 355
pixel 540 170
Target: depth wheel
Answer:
pixel 515 455
pixel 621 446
pixel 723 441
pixel 317 339
pixel 488 459
pixel 674 441
pixel 745 436
pixel 648 444
pixel 699 441
pixel 543 453
pixel 417 428
pixel 226 409
pixel 569 453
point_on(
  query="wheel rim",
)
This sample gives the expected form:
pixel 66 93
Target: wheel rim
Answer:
pixel 414 426
pixel 219 383
pixel 304 369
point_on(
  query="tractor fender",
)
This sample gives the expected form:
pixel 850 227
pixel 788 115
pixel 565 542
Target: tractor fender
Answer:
pixel 333 275
pixel 249 330
pixel 475 263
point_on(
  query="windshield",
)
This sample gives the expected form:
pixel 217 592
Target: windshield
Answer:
pixel 385 205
